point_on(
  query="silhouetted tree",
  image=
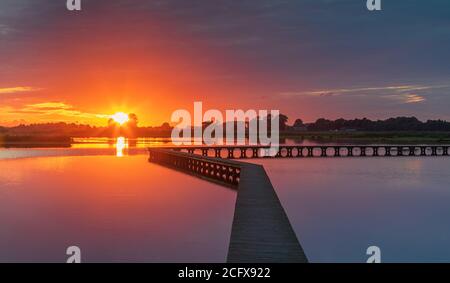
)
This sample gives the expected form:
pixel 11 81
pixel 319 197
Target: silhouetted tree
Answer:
pixel 132 120
pixel 165 126
pixel 283 122
pixel 298 123
pixel 112 128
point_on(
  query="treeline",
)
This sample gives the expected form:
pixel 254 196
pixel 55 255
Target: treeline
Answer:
pixel 131 129
pixel 391 124
pixel 83 131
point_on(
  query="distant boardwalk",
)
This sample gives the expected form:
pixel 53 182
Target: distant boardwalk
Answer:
pixel 295 151
pixel 261 230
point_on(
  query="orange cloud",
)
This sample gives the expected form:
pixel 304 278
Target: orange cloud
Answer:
pixel 51 111
pixel 11 90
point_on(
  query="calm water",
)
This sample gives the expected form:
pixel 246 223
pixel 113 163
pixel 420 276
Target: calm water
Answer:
pixel 114 209
pixel 340 207
pixel 119 207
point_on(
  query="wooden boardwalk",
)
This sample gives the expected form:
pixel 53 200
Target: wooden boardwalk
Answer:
pixel 299 151
pixel 261 231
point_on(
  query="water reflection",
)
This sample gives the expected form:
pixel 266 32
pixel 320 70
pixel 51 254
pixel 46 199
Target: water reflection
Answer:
pixel 150 214
pixel 121 145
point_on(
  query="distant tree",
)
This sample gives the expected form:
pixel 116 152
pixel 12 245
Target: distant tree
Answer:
pixel 132 120
pixel 339 124
pixel 321 125
pixel 391 124
pixel 165 126
pixel 298 123
pixel 283 122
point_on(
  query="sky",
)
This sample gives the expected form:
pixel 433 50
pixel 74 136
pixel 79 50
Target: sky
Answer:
pixel 307 58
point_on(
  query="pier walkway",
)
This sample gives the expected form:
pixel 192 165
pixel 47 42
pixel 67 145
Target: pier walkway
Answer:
pixel 261 231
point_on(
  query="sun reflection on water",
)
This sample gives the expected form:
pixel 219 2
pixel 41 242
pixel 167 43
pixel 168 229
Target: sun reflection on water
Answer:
pixel 121 145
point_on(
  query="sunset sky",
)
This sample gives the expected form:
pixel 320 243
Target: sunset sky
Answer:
pixel 307 58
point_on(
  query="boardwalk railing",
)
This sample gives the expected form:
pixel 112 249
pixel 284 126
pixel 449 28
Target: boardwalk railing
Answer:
pixel 362 151
pixel 294 151
pixel 261 230
pixel 225 172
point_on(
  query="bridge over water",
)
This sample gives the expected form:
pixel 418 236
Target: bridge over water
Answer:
pixel 296 151
pixel 261 230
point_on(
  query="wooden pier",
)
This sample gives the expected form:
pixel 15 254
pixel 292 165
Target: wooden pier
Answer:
pixel 261 231
pixel 297 151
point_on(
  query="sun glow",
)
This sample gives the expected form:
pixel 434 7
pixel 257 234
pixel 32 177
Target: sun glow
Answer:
pixel 120 118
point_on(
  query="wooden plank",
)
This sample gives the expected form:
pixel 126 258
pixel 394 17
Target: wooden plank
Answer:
pixel 261 231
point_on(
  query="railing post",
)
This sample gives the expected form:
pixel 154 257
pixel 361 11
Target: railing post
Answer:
pixel 387 151
pixel 300 151
pixel 337 151
pixel 362 150
pixel 217 152
pixel 349 151
pixel 243 153
pixel 423 151
pixel 289 151
pixel 375 151
pixel 310 151
pixel 230 153
pixel 434 151
pixel 399 150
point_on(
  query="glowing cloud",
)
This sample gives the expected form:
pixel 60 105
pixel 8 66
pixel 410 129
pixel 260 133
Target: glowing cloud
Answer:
pixel 11 90
pixel 53 109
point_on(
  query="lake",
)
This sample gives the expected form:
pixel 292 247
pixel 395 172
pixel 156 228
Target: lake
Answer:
pixel 339 207
pixel 114 209
pixel 116 206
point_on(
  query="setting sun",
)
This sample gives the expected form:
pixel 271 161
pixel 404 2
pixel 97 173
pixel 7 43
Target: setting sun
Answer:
pixel 120 118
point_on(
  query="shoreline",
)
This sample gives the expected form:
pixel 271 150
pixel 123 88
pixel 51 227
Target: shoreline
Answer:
pixel 297 137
